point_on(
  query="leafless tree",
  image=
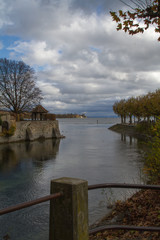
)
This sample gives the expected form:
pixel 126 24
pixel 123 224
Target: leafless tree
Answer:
pixel 18 91
pixel 141 4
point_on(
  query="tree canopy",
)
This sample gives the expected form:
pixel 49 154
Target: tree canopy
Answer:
pixel 145 106
pixel 143 13
pixel 18 91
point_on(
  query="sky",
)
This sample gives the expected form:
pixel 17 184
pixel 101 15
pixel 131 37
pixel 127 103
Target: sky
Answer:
pixel 82 63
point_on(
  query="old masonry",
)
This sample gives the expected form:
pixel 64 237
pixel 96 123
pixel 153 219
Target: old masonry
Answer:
pixel 39 124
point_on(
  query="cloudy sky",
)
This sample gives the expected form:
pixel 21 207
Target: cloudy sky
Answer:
pixel 83 65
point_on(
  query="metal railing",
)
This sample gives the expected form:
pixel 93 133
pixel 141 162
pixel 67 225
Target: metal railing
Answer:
pixel 30 203
pixel 90 187
pixel 122 227
pixel 123 185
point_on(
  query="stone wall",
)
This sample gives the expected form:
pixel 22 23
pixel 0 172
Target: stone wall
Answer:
pixel 32 130
pixel 6 117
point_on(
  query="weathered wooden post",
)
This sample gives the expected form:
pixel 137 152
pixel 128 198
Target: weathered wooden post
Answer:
pixel 69 213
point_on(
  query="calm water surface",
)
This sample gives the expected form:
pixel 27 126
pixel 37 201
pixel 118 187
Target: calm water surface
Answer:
pixel 90 151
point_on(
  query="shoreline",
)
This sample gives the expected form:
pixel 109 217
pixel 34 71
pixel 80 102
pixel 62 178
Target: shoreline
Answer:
pixel 141 209
pixel 129 130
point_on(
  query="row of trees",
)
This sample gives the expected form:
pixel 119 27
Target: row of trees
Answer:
pixel 145 106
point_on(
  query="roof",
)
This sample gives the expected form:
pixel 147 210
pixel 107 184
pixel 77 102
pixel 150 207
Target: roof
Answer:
pixel 39 109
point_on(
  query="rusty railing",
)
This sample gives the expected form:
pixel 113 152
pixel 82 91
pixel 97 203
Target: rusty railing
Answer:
pixel 122 227
pixel 30 203
pixel 61 211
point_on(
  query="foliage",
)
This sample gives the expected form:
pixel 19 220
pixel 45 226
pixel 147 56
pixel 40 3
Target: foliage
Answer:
pixel 152 156
pixel 142 209
pixel 120 109
pixel 139 19
pixel 6 237
pixel 145 106
pixel 18 91
pixel 50 116
pixel 10 132
pixel 144 128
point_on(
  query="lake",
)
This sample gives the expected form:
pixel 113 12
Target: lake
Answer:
pixel 90 151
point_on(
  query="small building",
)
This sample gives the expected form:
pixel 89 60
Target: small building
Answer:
pixel 39 113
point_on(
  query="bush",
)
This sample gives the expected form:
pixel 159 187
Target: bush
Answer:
pixel 144 127
pixel 10 132
pixel 152 156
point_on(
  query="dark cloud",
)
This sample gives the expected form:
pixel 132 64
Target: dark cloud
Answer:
pixel 98 6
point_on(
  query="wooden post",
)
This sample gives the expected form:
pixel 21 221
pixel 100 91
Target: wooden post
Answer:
pixel 69 213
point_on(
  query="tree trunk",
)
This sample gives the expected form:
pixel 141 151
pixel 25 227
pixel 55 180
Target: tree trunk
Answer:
pixel 130 119
pixel 121 119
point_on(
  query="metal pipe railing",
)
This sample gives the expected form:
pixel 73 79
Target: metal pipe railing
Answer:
pixel 123 227
pixel 30 203
pixel 90 187
pixel 123 185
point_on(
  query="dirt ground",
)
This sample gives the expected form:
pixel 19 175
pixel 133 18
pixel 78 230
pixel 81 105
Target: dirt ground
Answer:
pixel 142 209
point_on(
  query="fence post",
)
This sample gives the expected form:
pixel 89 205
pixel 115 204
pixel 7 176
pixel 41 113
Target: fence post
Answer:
pixel 69 213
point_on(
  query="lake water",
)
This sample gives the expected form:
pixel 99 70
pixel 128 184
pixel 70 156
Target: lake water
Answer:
pixel 90 151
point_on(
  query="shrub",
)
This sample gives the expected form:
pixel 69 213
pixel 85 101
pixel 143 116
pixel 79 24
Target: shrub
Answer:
pixel 144 127
pixel 10 132
pixel 152 156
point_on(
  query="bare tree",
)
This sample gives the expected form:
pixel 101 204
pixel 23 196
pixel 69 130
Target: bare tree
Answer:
pixel 18 91
pixel 139 17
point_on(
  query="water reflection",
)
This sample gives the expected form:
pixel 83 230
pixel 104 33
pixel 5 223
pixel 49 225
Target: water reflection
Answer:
pixel 128 139
pixel 123 137
pixel 11 154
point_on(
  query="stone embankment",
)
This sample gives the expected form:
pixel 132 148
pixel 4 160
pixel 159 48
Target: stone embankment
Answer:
pixel 32 130
pixel 129 130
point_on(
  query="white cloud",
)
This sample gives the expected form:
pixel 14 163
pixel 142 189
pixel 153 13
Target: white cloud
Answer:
pixel 82 62
pixel 35 53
